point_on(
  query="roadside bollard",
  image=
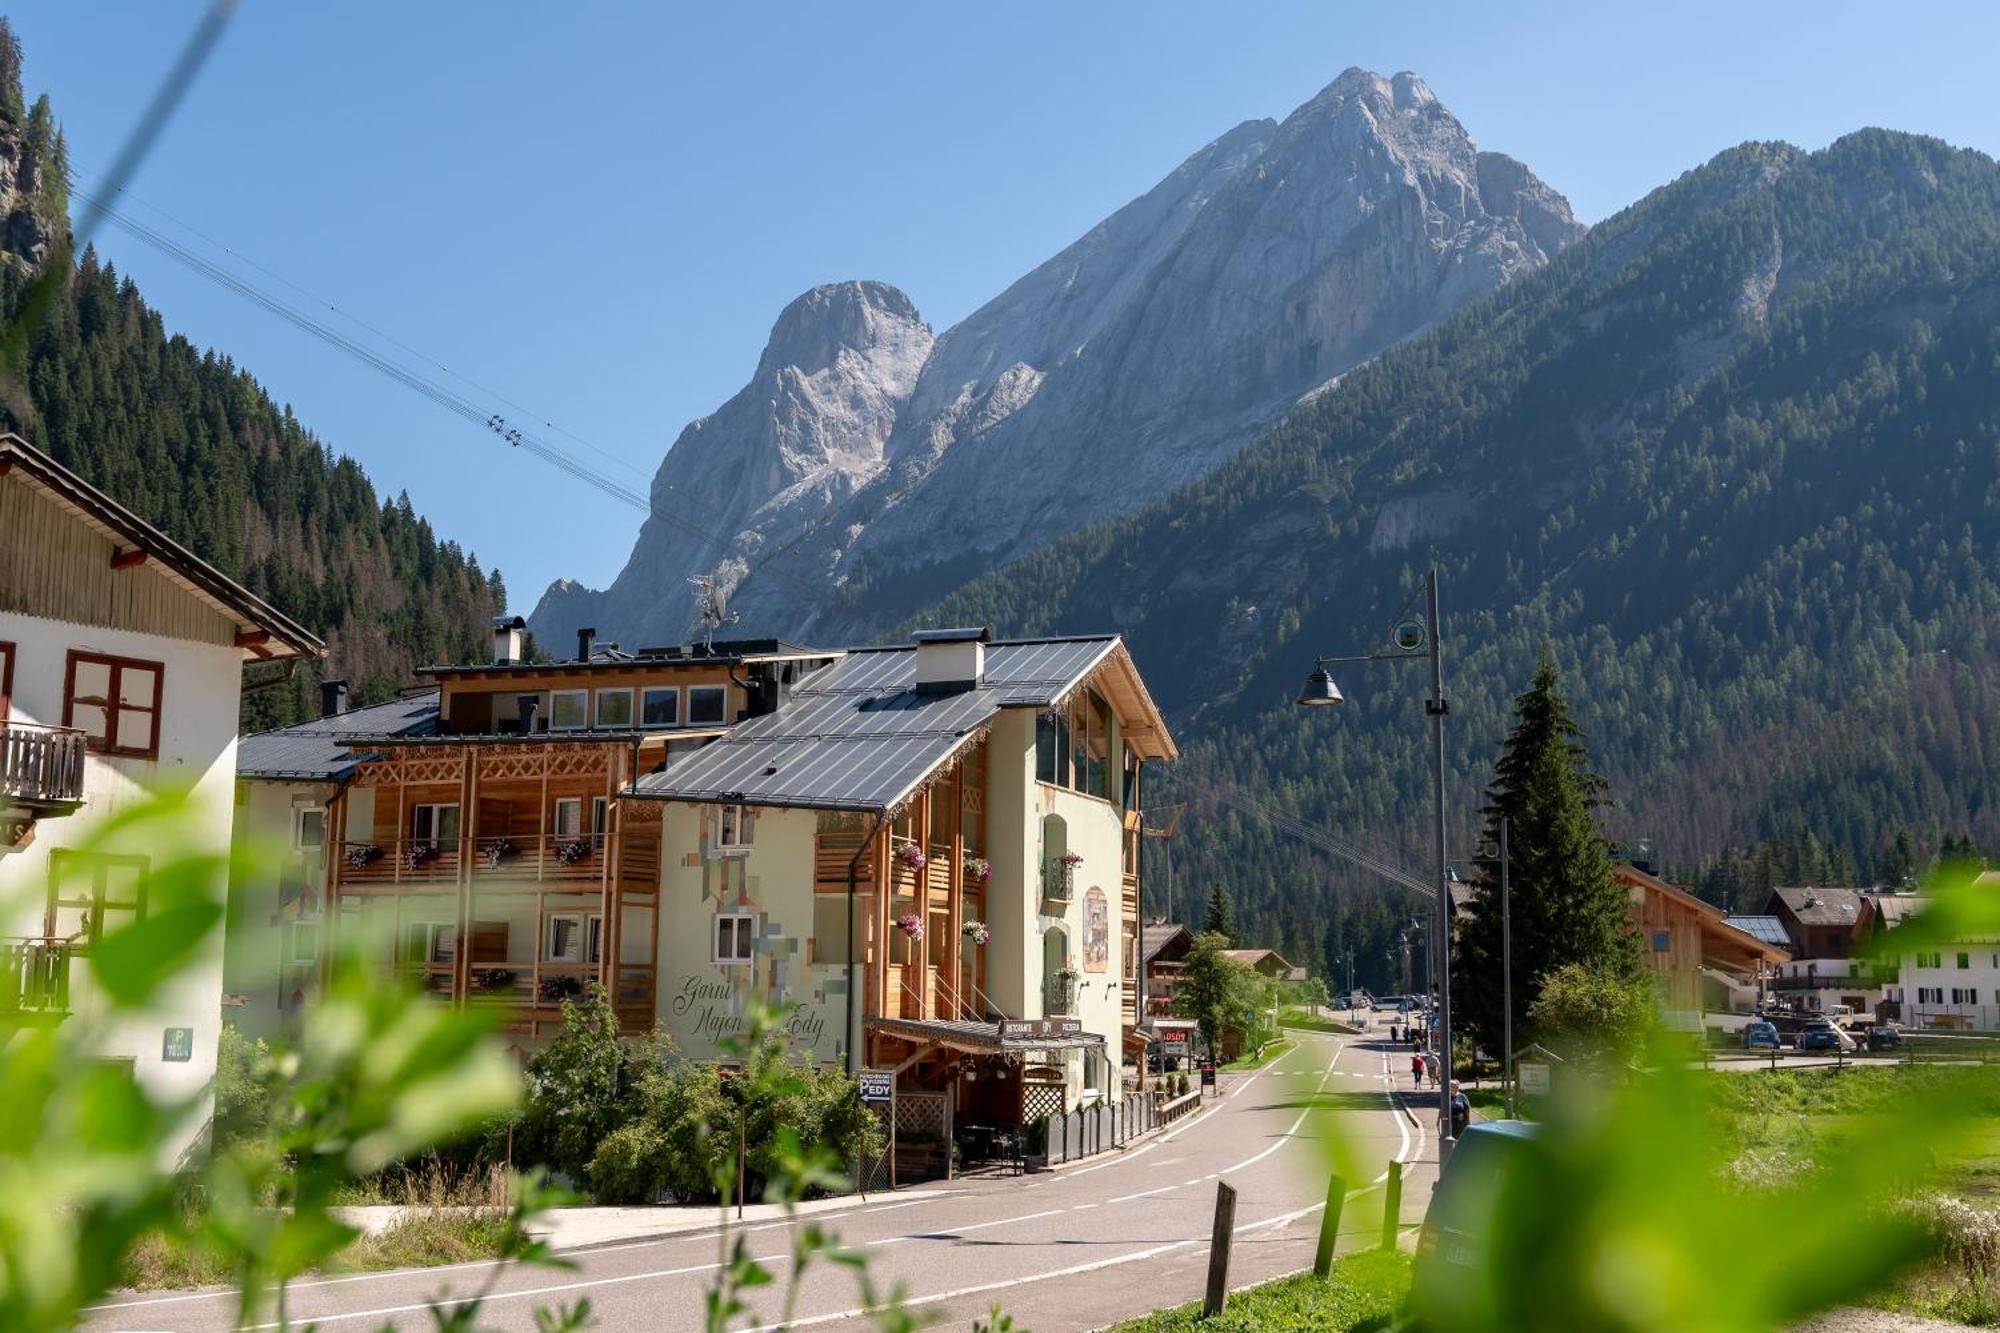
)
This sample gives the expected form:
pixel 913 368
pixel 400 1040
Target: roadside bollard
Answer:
pixel 1392 1205
pixel 1329 1226
pixel 1218 1251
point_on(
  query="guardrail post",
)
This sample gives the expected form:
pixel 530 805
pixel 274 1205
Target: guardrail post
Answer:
pixel 1329 1226
pixel 1392 1205
pixel 1218 1251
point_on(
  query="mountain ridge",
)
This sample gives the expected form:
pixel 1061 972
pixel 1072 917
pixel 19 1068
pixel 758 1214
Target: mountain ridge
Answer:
pixel 1274 258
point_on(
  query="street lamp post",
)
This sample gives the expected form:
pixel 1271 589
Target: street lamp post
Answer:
pixel 1499 853
pixel 1411 639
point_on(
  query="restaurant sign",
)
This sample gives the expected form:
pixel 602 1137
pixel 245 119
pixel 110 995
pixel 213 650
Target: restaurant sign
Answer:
pixel 1020 1028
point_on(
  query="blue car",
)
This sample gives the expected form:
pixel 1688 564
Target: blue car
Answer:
pixel 1759 1035
pixel 1449 1277
pixel 1820 1035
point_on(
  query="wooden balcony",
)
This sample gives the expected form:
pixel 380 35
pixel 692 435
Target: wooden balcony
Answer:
pixel 41 767
pixel 34 981
pixel 572 863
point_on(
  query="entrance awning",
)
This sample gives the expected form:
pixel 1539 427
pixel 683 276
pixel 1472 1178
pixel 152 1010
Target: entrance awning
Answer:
pixel 1007 1037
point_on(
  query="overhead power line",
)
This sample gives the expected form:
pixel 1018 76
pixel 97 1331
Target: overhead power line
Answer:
pixel 420 382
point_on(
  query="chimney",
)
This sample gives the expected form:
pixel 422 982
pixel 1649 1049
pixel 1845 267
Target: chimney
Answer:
pixel 950 660
pixel 507 639
pixel 332 697
pixel 529 705
pixel 586 639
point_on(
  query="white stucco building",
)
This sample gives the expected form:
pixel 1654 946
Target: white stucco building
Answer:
pixel 121 659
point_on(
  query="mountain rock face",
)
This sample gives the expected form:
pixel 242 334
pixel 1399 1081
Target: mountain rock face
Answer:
pixel 866 468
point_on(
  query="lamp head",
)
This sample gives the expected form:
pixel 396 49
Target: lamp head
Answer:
pixel 1319 691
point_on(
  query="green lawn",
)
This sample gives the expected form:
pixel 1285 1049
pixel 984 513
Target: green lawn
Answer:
pixel 1300 1018
pixel 1364 1292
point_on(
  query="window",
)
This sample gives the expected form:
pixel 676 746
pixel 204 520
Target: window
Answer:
pixel 1965 960
pixel 600 818
pixel 430 942
pixel 734 936
pixel 1930 960
pixel 706 704
pixel 434 824
pixel 660 706
pixel 302 942
pixel 115 701
pixel 574 937
pixel 614 709
pixel 6 678
pixel 1662 941
pixel 308 828
pixel 569 816
pixel 1052 747
pixel 90 894
pixel 735 827
pixel 569 710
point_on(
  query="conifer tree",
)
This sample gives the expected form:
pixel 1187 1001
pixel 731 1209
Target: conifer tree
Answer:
pixel 1565 906
pixel 1220 918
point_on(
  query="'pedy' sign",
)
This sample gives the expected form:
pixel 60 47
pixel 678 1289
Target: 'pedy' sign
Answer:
pixel 878 1086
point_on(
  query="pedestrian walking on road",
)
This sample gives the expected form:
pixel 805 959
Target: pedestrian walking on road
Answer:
pixel 1431 1067
pixel 1416 1071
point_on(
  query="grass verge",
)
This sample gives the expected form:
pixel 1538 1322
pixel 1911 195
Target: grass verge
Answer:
pixel 1364 1291
pixel 422 1239
pixel 1299 1018
pixel 1272 1050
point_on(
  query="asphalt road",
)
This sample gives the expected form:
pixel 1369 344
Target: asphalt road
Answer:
pixel 1069 1249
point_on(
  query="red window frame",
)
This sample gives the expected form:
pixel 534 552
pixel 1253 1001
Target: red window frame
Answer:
pixel 6 678
pixel 109 702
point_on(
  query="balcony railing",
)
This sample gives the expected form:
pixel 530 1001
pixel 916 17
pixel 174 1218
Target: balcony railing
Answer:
pixel 1058 881
pixel 1059 996
pixel 34 977
pixel 1859 978
pixel 579 859
pixel 41 766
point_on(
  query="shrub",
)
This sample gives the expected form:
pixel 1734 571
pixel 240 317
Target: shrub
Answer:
pixel 579 1088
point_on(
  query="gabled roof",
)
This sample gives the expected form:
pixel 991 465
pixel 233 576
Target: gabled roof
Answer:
pixel 1252 957
pixel 317 751
pixel 1157 935
pixel 1715 924
pixel 264 633
pixel 1823 907
pixel 859 735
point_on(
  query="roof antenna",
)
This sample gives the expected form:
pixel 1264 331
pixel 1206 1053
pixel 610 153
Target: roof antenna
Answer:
pixel 710 609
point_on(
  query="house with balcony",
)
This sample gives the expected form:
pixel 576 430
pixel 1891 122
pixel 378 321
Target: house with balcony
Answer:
pixel 287 783
pixel 1698 958
pixel 121 672
pixel 929 851
pixel 1163 951
pixel 1828 970
pixel 480 842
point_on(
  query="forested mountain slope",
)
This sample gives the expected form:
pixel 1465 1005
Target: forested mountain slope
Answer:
pixel 191 442
pixel 1735 455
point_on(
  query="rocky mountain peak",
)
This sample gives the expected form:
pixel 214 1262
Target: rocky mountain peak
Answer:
pixel 860 316
pixel 1133 361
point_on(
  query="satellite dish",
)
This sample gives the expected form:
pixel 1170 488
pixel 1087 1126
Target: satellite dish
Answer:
pixel 711 610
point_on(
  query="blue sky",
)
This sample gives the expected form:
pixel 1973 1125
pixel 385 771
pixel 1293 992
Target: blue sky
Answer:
pixel 598 209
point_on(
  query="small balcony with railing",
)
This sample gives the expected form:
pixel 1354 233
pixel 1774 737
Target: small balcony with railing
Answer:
pixel 1830 974
pixel 1059 995
pixel 41 767
pixel 34 981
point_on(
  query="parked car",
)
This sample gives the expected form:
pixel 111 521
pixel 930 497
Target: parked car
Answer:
pixel 1822 1035
pixel 1359 999
pixel 1885 1037
pixel 1759 1035
pixel 1449 1279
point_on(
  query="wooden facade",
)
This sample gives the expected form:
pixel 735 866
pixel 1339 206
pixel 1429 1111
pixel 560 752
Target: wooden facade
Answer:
pixel 538 845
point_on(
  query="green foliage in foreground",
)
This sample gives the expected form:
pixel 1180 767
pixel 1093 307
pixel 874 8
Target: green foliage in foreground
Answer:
pixel 1363 1291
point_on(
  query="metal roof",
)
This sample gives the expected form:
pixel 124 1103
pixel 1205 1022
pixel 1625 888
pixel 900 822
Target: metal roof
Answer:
pixel 317 751
pixel 1765 929
pixel 857 734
